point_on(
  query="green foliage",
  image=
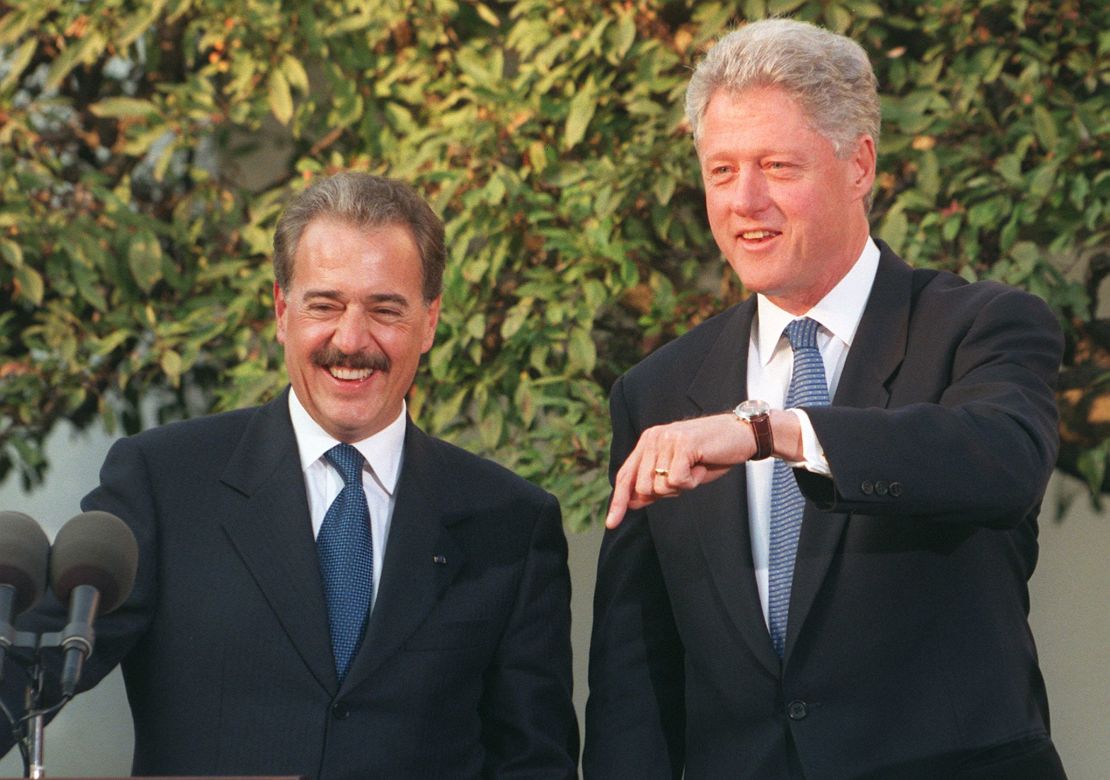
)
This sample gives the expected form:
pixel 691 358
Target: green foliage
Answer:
pixel 146 148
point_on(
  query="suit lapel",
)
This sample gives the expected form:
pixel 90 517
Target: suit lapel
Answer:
pixel 874 358
pixel 880 342
pixel 721 508
pixel 274 535
pixel 421 557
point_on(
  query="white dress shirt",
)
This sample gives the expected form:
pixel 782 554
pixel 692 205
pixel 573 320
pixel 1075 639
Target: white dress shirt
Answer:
pixel 322 482
pixel 770 365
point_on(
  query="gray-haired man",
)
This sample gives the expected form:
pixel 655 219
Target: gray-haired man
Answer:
pixel 831 590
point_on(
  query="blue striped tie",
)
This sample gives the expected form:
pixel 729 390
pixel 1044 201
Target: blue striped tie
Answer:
pixel 807 388
pixel 346 553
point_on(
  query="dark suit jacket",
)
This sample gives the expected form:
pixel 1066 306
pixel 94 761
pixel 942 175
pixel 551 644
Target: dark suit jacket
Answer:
pixel 465 670
pixel 907 652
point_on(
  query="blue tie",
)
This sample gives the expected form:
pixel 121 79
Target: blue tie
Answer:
pixel 346 558
pixel 807 388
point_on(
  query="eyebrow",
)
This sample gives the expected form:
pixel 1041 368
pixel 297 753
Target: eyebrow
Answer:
pixel 335 295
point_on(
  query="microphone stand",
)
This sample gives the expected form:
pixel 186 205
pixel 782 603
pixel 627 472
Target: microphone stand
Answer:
pixel 34 723
pixel 35 768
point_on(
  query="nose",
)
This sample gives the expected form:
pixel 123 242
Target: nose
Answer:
pixel 750 194
pixel 352 332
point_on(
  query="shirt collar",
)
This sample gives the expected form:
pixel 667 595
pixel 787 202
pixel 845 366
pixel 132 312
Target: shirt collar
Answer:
pixel 839 312
pixel 382 451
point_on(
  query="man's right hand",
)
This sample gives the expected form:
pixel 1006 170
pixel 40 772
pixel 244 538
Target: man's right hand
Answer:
pixel 672 459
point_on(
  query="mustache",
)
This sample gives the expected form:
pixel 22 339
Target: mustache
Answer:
pixel 329 356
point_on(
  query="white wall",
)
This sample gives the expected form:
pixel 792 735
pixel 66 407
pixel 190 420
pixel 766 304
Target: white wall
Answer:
pixel 1069 615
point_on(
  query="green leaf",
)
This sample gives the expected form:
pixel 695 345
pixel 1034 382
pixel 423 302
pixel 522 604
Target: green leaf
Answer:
pixel 141 143
pixel 13 25
pixel 1092 465
pixel 171 365
pixel 18 63
pixel 985 213
pixel 120 107
pixel 582 108
pixel 625 34
pixel 928 175
pixel 1045 128
pixel 11 252
pixel 76 53
pixel 581 350
pixel 446 410
pixel 110 342
pixel 1009 167
pixel 525 401
pixel 280 98
pixel 782 7
pixel 755 9
pixel 29 284
pixel 488 16
pixel 1043 181
pixel 894 229
pixel 295 73
pixel 663 187
pixel 87 281
pixel 144 258
pixel 516 318
pixel 476 326
pixel 839 18
pixel 490 425
pixel 138 23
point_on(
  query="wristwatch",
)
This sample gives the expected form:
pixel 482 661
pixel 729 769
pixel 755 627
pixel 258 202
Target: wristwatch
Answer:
pixel 758 415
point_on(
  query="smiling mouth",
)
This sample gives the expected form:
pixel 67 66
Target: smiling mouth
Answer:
pixel 758 235
pixel 355 367
pixel 350 374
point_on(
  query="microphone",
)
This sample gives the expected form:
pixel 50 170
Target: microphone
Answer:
pixel 92 567
pixel 24 551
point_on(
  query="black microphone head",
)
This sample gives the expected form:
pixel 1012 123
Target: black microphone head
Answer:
pixel 98 549
pixel 24 552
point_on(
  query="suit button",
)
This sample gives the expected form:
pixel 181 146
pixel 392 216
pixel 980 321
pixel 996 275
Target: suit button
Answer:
pixel 896 489
pixel 340 710
pixel 867 487
pixel 881 488
pixel 797 710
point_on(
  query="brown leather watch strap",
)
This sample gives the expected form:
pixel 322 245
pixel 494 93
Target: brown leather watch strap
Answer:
pixel 757 414
pixel 764 441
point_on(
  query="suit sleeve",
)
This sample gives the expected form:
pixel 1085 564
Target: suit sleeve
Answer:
pixel 122 492
pixel 529 728
pixel 635 717
pixel 980 452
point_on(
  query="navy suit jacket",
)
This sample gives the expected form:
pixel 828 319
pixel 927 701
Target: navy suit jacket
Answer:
pixel 908 651
pixel 465 669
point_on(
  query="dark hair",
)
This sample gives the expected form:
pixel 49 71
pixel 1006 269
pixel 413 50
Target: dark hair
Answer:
pixel 365 201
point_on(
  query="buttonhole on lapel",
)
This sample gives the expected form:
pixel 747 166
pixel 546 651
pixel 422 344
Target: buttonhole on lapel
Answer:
pixel 439 560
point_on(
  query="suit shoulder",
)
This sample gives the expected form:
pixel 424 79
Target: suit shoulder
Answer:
pixel 952 295
pixel 211 433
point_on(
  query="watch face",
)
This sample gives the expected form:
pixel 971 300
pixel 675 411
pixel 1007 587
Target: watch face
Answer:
pixel 750 409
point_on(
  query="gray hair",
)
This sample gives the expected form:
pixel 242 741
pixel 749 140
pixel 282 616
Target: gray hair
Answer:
pixel 365 201
pixel 828 74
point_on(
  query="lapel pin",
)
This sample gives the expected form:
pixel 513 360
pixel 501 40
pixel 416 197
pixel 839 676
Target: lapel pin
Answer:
pixel 439 560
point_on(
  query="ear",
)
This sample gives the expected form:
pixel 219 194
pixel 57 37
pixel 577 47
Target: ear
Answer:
pixel 863 162
pixel 431 311
pixel 280 310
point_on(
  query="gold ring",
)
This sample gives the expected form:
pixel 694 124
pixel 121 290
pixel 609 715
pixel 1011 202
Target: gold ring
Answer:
pixel 662 472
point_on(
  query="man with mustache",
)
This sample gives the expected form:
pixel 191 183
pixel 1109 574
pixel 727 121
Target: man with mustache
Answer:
pixel 323 589
pixel 824 499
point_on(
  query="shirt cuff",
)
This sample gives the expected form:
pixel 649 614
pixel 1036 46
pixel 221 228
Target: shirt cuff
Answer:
pixel 813 453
